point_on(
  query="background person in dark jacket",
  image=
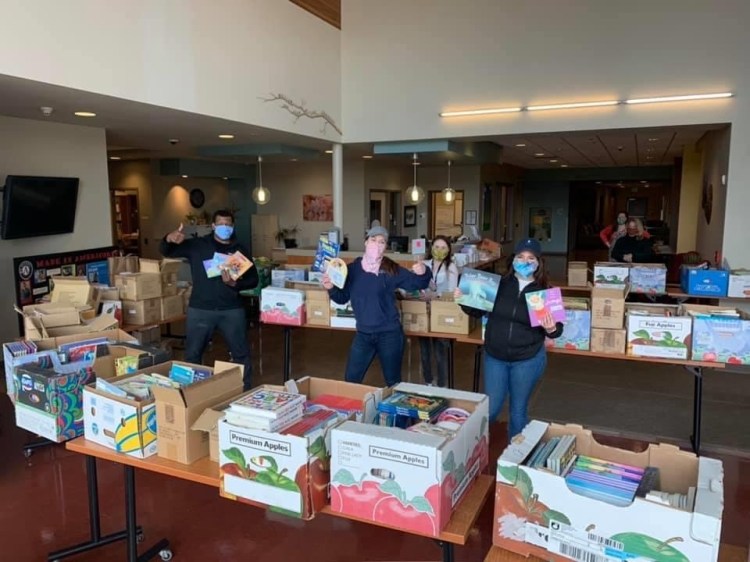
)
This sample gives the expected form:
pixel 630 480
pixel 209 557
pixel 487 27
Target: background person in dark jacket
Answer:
pixel 371 285
pixel 634 247
pixel 215 303
pixel 514 353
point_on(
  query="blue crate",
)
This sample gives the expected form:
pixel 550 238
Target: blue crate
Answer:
pixel 704 282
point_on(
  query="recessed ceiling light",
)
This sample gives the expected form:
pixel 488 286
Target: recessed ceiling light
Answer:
pixel 539 154
pixel 367 156
pixel 226 136
pixel 84 114
pixel 598 183
pixel 115 158
pixel 649 157
pixel 329 151
pixel 225 178
pixel 653 139
pixel 563 165
pixel 480 112
pixel 292 159
pixel 553 161
pixel 644 181
pixel 184 175
pixel 520 145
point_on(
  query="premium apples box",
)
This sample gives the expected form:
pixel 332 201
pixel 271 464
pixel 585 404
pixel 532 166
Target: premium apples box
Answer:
pixel 404 479
pixel 655 330
pixel 536 514
pixel 286 473
pixel 720 334
pixel 648 278
pixel 282 306
pixel 607 274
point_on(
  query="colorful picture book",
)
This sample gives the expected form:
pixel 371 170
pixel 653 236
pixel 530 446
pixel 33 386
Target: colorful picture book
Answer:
pixel 337 272
pixel 541 303
pixel 213 265
pixel 236 265
pixel 268 403
pixel 478 289
pixel 402 409
pixel 326 251
pixel 610 482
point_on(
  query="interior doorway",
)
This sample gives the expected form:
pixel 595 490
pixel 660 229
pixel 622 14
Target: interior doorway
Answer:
pixel 126 221
pixel 446 219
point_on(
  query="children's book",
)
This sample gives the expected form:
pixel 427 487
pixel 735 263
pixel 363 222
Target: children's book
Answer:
pixel 268 403
pixel 478 289
pixel 412 405
pixel 126 364
pixel 540 303
pixel 213 265
pixel 326 251
pixel 236 265
pixel 337 272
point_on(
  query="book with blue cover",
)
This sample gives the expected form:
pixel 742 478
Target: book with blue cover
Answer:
pixel 478 289
pixel 326 251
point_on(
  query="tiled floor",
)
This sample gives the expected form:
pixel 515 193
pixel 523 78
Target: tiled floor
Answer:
pixel 44 499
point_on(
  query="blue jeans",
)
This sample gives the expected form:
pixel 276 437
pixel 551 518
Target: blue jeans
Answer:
pixel 200 326
pixel 516 379
pixel 389 347
pixel 439 348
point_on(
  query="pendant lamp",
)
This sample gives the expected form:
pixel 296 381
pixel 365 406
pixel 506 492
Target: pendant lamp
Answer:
pixel 261 195
pixel 449 194
pixel 414 194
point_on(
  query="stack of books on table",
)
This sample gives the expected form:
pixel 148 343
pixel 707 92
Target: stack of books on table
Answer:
pixel 607 481
pixel 556 454
pixel 403 410
pixel 137 387
pixel 266 409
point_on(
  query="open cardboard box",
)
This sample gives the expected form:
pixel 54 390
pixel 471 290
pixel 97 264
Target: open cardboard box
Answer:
pixel 655 330
pixel 405 479
pixel 723 339
pixel 537 514
pixel 76 291
pixel 286 473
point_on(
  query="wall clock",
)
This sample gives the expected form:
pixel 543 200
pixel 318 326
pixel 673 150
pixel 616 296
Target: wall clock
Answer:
pixel 197 198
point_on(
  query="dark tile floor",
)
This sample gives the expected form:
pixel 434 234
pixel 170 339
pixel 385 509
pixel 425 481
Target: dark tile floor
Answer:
pixel 44 498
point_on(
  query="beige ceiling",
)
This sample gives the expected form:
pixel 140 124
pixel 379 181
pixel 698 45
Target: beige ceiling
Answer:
pixel 138 130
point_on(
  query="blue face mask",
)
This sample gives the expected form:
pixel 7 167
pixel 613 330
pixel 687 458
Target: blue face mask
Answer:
pixel 524 269
pixel 224 231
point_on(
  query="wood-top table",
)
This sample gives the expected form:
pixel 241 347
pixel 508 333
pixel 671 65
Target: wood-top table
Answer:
pixel 205 471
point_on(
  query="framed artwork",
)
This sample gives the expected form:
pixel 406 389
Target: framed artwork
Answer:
pixel 470 218
pixel 540 224
pixel 410 215
pixel 317 208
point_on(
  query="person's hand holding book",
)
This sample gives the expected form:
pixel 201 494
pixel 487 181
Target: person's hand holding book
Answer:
pixel 326 282
pixel 548 323
pixel 227 278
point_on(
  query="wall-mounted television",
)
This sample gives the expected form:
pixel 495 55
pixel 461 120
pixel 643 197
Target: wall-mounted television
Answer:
pixel 38 206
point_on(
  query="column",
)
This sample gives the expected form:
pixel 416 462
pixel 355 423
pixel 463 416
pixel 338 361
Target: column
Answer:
pixel 338 187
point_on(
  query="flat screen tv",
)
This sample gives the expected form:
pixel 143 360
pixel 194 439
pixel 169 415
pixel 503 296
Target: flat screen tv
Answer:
pixel 38 206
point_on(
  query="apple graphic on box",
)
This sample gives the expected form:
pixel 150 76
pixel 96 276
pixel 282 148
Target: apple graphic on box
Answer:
pixel 353 497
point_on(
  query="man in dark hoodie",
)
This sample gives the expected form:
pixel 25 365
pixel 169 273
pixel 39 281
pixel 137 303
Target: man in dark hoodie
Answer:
pixel 215 303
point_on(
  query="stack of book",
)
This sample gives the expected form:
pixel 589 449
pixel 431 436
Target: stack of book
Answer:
pixel 266 409
pixel 185 375
pixel 343 406
pixel 403 410
pixel 607 481
pixel 20 348
pixel 556 454
pixel 137 387
pixel 313 419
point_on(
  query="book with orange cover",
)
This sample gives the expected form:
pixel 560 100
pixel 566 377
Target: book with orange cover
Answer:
pixel 236 265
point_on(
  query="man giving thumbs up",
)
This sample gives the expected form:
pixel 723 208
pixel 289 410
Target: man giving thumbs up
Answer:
pixel 215 303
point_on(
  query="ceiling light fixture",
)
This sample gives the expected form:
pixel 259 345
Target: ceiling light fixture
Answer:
pixel 414 193
pixel 226 136
pixel 449 194
pixel 539 154
pixel 553 161
pixel 563 165
pixel 520 145
pixel 261 195
pixel 653 139
pixel 184 175
pixel 84 114
pixel 690 97
pixel 470 112
pixel 329 151
pixel 115 158
pixel 367 156
pixel 576 105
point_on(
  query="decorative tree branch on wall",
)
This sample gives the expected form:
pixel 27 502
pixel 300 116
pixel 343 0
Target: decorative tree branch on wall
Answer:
pixel 299 110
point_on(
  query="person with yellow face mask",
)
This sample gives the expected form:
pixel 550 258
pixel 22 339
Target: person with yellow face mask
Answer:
pixel 444 280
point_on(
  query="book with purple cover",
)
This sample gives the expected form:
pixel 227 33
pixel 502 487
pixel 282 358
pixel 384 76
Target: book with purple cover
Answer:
pixel 540 303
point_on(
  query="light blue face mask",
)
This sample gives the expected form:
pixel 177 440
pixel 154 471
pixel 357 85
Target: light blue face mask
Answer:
pixel 224 231
pixel 525 269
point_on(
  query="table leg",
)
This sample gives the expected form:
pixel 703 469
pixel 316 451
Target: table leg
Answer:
pixel 451 364
pixel 161 548
pixel 287 353
pixel 96 539
pixel 477 367
pixel 695 438
pixel 447 549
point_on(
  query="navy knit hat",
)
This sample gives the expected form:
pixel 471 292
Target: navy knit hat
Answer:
pixel 529 245
pixel 377 231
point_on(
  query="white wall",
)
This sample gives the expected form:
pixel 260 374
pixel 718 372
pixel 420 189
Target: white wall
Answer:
pixel 36 148
pixel 710 236
pixel 214 58
pixel 404 62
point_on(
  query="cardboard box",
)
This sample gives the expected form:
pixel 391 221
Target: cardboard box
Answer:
pixel 446 316
pixel 608 307
pixel 604 340
pixel 704 282
pixel 607 274
pixel 405 479
pixel 342 315
pixel 281 275
pixel 38 318
pixel 96 324
pixel 578 274
pixel 148 335
pixel 138 286
pixel 105 293
pixel 655 330
pixel 739 284
pixel 304 461
pixel 282 306
pixel 576 331
pixel 177 409
pixel 112 308
pixel 168 269
pixel 415 316
pixel 648 278
pixel 76 291
pixel 318 305
pixel 171 307
pixel 536 514
pixel 141 312
pixel 719 338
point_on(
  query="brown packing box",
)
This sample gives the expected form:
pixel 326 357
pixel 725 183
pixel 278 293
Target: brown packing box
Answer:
pixel 318 305
pixel 141 312
pixel 446 316
pixel 39 317
pixel 171 307
pixel 177 410
pixel 168 284
pixel 578 274
pixel 415 316
pixel 105 293
pixel 608 307
pixel 148 335
pixel 168 269
pixel 72 290
pixel 608 341
pixel 105 367
pixel 96 324
pixel 139 286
